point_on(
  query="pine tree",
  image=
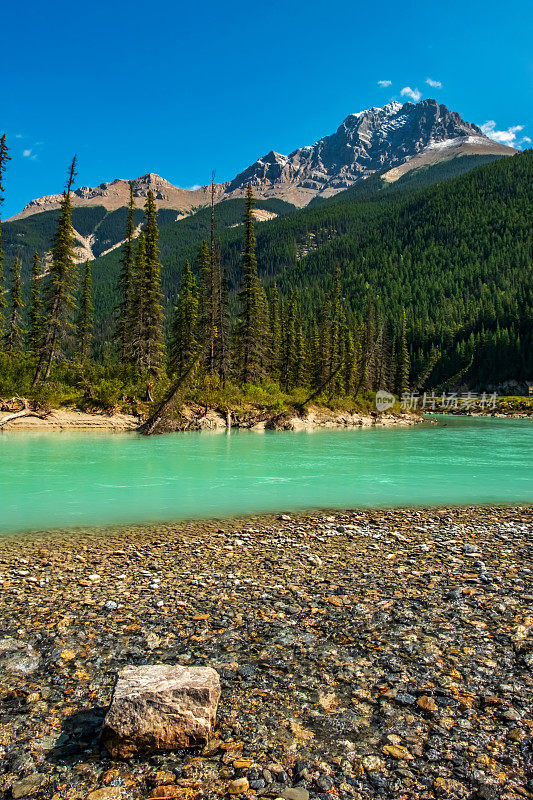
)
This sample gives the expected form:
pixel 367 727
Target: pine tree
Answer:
pixel 85 319
pixel 35 329
pixel 313 353
pixel 349 363
pixel 152 333
pixel 183 335
pixel 15 336
pixel 274 335
pixel 212 290
pixel 290 353
pixel 4 158
pixel 368 372
pixel 335 341
pixel 219 303
pixel 60 301
pixel 402 359
pixel 136 315
pixel 223 338
pixel 206 329
pixel 125 284
pixel 300 367
pixel 250 329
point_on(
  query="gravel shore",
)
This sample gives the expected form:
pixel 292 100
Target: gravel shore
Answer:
pixel 361 654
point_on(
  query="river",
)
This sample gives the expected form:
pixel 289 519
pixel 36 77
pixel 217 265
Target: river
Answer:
pixel 55 480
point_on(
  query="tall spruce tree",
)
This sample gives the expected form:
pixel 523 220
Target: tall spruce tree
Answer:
pixel 212 288
pixel 15 337
pixel 86 315
pixel 136 315
pixel 223 341
pixel 402 358
pixel 206 327
pixel 219 305
pixel 183 334
pixel 60 301
pixel 289 343
pixel 35 319
pixel 152 331
pixel 274 335
pixel 368 372
pixel 125 283
pixel 4 158
pixel 250 330
pixel 313 353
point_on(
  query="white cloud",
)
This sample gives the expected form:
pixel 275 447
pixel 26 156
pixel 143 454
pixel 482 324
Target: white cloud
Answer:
pixel 384 84
pixel 434 84
pixel 414 94
pixel 508 136
pixel 26 153
pixel 193 187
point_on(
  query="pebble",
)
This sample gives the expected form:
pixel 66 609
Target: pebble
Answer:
pixel 360 654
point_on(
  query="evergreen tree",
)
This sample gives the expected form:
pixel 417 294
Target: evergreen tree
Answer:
pixel 86 313
pixel 274 335
pixel 60 302
pixel 368 355
pixel 223 338
pixel 349 370
pixel 219 301
pixel 402 358
pixel 136 316
pixel 152 322
pixel 313 352
pixel 300 370
pixel 4 158
pixel 250 329
pixel 290 352
pixel 183 336
pixel 206 309
pixel 35 329
pixel 125 284
pixel 15 336
pixel 335 341
pixel 212 290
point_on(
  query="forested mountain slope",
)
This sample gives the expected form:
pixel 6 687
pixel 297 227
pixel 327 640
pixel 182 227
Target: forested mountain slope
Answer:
pixel 456 255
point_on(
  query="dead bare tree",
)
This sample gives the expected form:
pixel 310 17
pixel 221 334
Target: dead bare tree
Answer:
pixel 25 411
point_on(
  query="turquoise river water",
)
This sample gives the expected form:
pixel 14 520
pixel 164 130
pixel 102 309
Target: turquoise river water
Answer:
pixel 56 480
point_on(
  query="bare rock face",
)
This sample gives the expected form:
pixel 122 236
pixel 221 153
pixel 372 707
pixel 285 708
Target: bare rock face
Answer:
pixel 399 136
pixel 160 707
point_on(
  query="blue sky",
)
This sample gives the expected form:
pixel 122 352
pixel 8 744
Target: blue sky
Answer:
pixel 181 89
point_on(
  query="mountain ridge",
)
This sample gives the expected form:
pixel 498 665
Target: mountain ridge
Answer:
pixel 400 136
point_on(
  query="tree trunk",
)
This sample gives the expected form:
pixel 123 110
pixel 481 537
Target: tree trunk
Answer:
pixel 150 426
pixel 24 412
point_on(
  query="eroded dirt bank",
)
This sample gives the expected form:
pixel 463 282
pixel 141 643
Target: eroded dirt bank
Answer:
pixel 361 654
pixel 198 418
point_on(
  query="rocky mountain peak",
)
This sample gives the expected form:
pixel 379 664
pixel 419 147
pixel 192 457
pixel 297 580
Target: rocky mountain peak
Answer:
pixel 365 142
pixel 391 139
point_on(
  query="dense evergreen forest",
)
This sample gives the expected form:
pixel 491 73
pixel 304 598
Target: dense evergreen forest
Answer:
pixel 423 283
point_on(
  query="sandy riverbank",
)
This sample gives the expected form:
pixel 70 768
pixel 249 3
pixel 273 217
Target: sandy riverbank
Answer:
pixel 362 654
pixel 194 418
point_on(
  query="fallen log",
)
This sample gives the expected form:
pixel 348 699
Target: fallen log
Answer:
pixel 149 427
pixel 25 411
